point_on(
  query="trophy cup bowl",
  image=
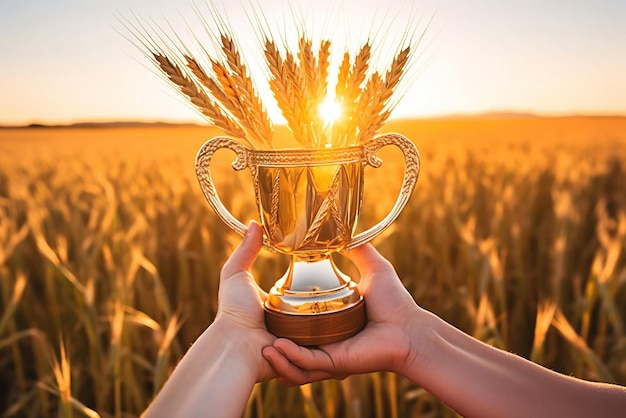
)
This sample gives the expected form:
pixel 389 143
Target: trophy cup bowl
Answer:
pixel 309 202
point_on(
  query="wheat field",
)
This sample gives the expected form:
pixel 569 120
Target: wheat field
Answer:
pixel 110 256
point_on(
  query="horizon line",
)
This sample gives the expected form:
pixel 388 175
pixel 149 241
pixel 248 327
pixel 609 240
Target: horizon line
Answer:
pixel 121 122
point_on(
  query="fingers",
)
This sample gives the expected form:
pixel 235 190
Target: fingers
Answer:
pixel 304 357
pixel 290 372
pixel 243 257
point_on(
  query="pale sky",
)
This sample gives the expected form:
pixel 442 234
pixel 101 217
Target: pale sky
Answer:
pixel 64 61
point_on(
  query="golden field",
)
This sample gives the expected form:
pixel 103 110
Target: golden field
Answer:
pixel 109 258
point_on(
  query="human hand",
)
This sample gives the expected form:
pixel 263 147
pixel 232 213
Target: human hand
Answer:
pixel 383 345
pixel 240 312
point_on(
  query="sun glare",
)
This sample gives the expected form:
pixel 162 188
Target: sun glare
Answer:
pixel 330 110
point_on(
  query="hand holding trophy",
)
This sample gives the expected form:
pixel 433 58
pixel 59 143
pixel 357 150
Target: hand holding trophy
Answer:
pixel 309 195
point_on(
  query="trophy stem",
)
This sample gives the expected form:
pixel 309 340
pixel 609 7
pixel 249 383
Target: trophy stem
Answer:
pixel 313 276
pixel 314 303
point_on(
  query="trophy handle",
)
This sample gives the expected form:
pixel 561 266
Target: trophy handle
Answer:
pixel 411 172
pixel 203 171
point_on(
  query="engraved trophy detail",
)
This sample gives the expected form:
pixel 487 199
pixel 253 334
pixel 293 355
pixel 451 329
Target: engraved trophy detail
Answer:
pixel 309 202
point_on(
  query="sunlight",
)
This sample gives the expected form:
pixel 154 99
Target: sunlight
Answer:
pixel 330 110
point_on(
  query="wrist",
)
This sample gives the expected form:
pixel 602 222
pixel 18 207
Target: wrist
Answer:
pixel 421 331
pixel 243 345
pixel 236 340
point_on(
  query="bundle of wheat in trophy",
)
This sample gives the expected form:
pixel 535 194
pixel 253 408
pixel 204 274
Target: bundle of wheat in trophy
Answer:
pixel 220 87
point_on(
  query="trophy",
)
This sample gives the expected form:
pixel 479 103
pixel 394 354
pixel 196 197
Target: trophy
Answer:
pixel 309 194
pixel 309 201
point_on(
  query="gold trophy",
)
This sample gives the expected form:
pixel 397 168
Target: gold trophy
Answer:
pixel 309 196
pixel 309 201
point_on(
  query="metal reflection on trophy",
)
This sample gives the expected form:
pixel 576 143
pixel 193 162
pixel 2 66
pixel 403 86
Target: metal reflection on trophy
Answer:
pixel 309 201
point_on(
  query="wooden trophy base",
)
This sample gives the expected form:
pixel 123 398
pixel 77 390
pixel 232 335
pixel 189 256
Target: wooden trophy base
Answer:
pixel 317 329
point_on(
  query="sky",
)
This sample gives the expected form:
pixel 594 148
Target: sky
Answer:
pixel 66 61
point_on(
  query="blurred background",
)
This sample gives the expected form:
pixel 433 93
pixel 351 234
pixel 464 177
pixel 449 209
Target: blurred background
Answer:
pixel 110 255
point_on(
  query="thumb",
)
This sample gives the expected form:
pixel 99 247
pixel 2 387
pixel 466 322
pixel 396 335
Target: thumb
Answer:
pixel 243 257
pixel 369 261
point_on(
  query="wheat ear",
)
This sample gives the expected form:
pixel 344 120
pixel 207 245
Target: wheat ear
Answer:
pixel 359 71
pixel 206 80
pixel 255 116
pixel 313 78
pixel 306 80
pixel 284 89
pixel 321 76
pixel 378 96
pixel 199 98
pixel 349 91
pixel 323 64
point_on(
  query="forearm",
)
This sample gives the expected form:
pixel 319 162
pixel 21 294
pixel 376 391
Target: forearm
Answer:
pixel 478 380
pixel 216 376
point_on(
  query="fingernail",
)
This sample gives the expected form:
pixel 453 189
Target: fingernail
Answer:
pixel 249 227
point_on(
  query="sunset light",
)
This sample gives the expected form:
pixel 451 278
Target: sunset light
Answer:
pixel 222 207
pixel 533 56
pixel 330 111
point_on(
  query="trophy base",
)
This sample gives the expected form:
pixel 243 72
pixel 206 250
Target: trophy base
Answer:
pixel 317 329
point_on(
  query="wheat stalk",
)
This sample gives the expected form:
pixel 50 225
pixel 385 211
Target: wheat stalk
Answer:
pixel 323 65
pixel 206 80
pixel 222 90
pixel 254 113
pixel 307 86
pixel 313 78
pixel 283 88
pixel 379 94
pixel 349 91
pixel 359 70
pixel 199 98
